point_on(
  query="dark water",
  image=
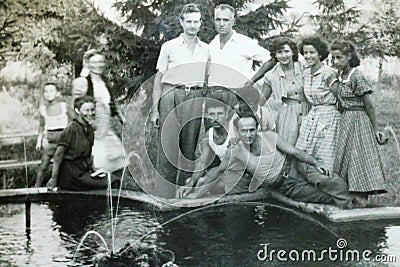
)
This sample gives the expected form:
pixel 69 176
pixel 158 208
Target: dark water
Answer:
pixel 219 236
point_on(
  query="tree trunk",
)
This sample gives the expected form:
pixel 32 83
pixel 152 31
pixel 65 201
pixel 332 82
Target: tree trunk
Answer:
pixel 380 71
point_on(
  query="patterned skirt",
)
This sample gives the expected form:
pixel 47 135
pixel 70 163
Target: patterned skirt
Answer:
pixel 358 160
pixel 319 133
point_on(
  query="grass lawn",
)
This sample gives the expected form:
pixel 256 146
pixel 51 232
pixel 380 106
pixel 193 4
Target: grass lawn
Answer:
pixel 387 105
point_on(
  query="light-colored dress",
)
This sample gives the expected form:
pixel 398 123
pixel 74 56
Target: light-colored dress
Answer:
pixel 357 158
pixel 108 151
pixel 320 128
pixel 292 104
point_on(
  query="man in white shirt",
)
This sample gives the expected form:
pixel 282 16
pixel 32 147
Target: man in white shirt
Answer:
pixel 233 54
pixel 177 101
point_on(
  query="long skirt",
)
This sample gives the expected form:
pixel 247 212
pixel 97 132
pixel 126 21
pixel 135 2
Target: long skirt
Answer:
pixel 358 159
pixel 319 134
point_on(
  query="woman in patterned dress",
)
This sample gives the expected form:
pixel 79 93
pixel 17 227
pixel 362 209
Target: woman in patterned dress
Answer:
pixel 320 128
pixel 285 81
pixel 357 159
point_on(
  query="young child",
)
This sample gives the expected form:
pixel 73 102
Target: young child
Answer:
pixel 53 118
pixel 357 158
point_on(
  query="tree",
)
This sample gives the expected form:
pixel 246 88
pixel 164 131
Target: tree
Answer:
pixel 157 22
pixel 384 33
pixel 337 21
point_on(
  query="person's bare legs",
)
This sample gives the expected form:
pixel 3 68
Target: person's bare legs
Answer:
pixel 44 166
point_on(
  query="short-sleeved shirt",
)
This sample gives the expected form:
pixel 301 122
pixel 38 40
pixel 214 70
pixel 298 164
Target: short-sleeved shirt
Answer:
pixel 281 86
pixel 351 90
pixel 239 54
pixel 317 86
pixel 180 65
pixel 78 141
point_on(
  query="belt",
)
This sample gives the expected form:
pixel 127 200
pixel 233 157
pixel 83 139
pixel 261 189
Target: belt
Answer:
pixel 355 109
pixel 55 130
pixel 189 88
pixel 287 100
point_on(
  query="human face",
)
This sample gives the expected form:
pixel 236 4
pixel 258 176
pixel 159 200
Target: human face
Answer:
pixel 224 21
pixel 311 55
pixel 247 130
pixel 339 60
pixel 97 64
pixel 191 23
pixel 284 55
pixel 87 112
pixel 217 116
pixel 50 92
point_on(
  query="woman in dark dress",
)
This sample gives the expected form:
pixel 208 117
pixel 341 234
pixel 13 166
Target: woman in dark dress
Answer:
pixel 72 160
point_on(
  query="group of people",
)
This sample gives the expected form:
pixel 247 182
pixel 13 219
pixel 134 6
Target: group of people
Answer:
pixel 319 143
pixel 77 135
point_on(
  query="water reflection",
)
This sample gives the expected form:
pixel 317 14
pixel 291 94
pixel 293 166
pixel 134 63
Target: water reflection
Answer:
pixel 220 236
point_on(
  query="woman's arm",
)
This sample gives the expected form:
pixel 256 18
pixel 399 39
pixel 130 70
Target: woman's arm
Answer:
pixel 266 94
pixel 301 155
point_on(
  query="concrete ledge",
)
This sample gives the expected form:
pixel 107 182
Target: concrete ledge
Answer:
pixel 330 212
pixel 336 214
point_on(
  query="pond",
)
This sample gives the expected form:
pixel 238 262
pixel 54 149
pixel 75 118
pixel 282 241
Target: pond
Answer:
pixel 225 235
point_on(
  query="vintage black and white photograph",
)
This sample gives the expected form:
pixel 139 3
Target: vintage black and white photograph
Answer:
pixel 199 133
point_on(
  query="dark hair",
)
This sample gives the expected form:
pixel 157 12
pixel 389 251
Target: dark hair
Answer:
pixel 225 7
pixel 189 8
pixel 278 43
pixel 246 114
pixel 51 83
pixel 215 102
pixel 347 47
pixel 79 101
pixel 318 43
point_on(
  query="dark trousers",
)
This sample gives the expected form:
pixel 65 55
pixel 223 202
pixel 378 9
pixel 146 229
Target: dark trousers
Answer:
pixel 309 185
pixel 180 123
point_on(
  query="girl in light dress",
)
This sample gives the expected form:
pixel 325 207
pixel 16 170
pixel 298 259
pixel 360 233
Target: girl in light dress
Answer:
pixel 108 153
pixel 285 81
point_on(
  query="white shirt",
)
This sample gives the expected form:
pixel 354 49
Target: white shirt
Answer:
pixel 181 65
pixel 233 64
pixel 219 150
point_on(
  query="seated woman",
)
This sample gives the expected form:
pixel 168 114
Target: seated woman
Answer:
pixel 72 162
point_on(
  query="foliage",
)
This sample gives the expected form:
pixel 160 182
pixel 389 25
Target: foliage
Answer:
pixel 337 21
pixel 384 30
pixel 157 22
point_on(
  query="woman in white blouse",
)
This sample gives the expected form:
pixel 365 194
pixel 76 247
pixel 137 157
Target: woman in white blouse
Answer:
pixel 108 155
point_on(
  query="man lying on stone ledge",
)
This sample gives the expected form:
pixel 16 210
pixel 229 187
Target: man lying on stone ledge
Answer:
pixel 258 158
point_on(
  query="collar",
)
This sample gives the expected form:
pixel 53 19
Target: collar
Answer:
pixel 84 127
pixel 233 37
pixel 298 69
pixel 181 40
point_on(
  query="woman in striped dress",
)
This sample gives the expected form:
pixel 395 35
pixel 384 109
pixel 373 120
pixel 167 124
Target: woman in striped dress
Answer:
pixel 357 160
pixel 319 129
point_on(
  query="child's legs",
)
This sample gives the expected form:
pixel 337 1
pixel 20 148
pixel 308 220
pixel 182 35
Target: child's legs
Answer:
pixel 44 166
